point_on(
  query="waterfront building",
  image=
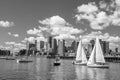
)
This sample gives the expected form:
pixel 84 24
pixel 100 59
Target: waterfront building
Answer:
pixel 41 44
pixel 92 43
pixel 61 47
pixel 89 49
pixel 32 48
pixel 54 46
pixel 116 50
pixel 38 45
pixel 74 46
pixel 50 41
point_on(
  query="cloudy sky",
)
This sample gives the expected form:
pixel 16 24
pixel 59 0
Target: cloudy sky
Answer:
pixel 62 19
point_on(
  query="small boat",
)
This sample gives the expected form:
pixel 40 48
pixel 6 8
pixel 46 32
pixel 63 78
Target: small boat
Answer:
pixel 57 61
pixel 96 59
pixel 23 60
pixel 81 58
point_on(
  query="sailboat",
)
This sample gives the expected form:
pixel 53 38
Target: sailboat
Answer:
pixel 96 59
pixel 25 59
pixel 80 55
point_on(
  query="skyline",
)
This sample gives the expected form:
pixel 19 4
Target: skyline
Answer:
pixel 63 19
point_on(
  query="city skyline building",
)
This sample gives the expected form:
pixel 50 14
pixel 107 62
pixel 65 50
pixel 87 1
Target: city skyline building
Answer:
pixel 54 46
pixel 61 47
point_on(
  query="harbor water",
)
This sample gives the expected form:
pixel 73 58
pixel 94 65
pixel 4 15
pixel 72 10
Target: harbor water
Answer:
pixel 42 69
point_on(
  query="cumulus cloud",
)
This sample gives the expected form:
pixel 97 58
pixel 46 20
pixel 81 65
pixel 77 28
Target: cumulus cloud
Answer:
pixel 41 39
pixel 100 16
pixel 30 39
pixel 57 25
pixel 87 8
pixel 6 24
pixel 105 36
pixel 15 35
pixel 113 45
pixel 113 40
pixel 15 46
pixel 65 36
pixel 103 5
pixel 34 31
pixel 5 47
pixel 54 20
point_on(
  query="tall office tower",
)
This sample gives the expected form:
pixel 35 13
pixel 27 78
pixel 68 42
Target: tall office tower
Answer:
pixel 32 46
pixel 54 46
pixel 45 46
pixel 103 46
pixel 116 50
pixel 89 49
pixel 41 44
pixel 107 48
pixel 50 41
pixel 92 43
pixel 60 47
pixel 38 45
pixel 74 46
pixel 63 47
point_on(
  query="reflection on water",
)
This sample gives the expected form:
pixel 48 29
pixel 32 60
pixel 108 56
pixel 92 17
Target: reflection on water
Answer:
pixel 43 69
pixel 81 72
pixel 97 73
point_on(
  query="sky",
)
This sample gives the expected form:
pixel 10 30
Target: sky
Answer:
pixel 22 20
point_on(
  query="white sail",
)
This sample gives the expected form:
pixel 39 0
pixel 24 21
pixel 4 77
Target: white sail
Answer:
pixel 97 57
pixel 92 57
pixel 84 58
pixel 79 50
pixel 99 52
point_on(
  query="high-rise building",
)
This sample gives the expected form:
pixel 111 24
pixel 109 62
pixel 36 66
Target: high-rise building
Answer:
pixel 61 47
pixel 92 43
pixel 116 49
pixel 50 41
pixel 54 46
pixel 74 46
pixel 107 48
pixel 41 44
pixel 38 45
pixel 32 46
pixel 89 49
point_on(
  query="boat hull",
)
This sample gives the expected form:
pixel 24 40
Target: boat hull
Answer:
pixel 57 63
pixel 79 63
pixel 98 66
pixel 24 61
